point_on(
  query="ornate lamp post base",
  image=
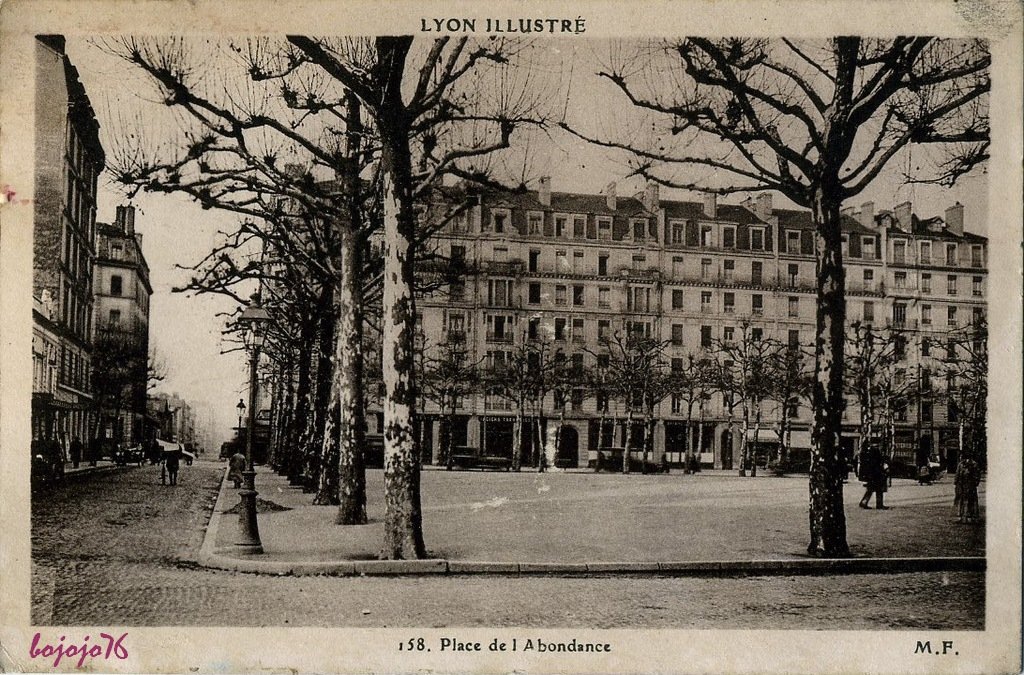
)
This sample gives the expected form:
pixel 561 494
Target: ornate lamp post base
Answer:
pixel 248 530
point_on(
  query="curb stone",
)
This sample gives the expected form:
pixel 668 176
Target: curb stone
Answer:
pixel 211 556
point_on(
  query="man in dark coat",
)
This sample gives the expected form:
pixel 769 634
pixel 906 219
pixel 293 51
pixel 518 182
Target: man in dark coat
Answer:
pixel 76 452
pixel 875 477
pixel 172 460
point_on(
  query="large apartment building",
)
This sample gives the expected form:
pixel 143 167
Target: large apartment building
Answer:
pixel 121 290
pixel 580 267
pixel 68 161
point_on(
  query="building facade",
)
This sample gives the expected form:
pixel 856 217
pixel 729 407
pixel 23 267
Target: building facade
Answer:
pixel 121 291
pixel 578 268
pixel 68 161
pixel 174 418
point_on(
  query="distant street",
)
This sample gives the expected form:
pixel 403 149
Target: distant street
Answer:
pixel 115 548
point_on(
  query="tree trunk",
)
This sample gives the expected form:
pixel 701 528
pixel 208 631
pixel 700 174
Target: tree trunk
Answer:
pixel 444 436
pixel 348 381
pixel 687 451
pixel 558 433
pixel 699 433
pixel 403 528
pixel 743 437
pixel 826 516
pixel 783 423
pixel 302 435
pixel 542 443
pixel 517 438
pixel 960 441
pixel 324 472
pixel 628 439
pixel 757 429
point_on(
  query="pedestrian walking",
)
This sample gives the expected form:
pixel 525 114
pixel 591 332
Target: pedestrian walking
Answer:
pixel 968 477
pixel 875 477
pixel 76 452
pixel 172 461
pixel 236 465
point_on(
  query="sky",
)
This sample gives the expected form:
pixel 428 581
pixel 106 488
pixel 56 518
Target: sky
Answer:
pixel 186 329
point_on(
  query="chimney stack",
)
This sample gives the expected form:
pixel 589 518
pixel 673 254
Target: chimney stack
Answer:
pixel 125 219
pixel 544 191
pixel 652 196
pixel 764 205
pixel 609 195
pixel 710 204
pixel 904 213
pixel 955 219
pixel 867 214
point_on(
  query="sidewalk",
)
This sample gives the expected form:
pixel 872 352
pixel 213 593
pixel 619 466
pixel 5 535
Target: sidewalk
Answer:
pixel 586 523
pixel 85 469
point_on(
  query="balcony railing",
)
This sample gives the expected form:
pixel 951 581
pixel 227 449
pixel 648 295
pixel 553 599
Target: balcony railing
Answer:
pixel 892 322
pixel 512 267
pixel 641 273
pixel 865 286
pixel 502 338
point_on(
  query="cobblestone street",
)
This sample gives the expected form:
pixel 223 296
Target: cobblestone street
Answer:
pixel 117 548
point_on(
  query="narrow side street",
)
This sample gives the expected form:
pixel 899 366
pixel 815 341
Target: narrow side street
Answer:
pixel 116 548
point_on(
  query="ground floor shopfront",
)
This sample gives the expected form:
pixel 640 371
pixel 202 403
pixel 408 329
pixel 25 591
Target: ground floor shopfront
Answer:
pixel 62 418
pixel 574 441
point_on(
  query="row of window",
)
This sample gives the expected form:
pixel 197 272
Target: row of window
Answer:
pixel 705 235
pixel 500 328
pixel 900 317
pixel 74 369
pixel 951 258
pixel 679 405
pixel 638 298
pixel 75 312
pixel 952 284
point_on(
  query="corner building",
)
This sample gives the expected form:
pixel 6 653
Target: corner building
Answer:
pixel 581 267
pixel 68 161
pixel 122 294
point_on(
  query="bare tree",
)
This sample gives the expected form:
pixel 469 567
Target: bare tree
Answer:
pixel 791 383
pixel 420 101
pixel 966 387
pixel 817 122
pixel 750 359
pixel 633 366
pixel 692 384
pixel 120 367
pixel 449 375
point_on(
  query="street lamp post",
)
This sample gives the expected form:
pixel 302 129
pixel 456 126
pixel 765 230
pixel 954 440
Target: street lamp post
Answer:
pixel 241 411
pixel 251 321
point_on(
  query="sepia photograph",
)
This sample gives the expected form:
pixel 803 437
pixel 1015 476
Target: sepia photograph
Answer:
pixel 503 342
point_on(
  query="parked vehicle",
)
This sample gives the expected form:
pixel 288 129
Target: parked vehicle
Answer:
pixel 901 468
pixel 466 457
pixel 48 459
pixel 124 455
pixel 610 459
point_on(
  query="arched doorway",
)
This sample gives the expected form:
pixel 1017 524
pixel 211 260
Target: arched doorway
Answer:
pixel 568 455
pixel 726 450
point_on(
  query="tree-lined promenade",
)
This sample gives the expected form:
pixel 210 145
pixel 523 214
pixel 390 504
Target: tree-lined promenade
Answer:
pixel 394 122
